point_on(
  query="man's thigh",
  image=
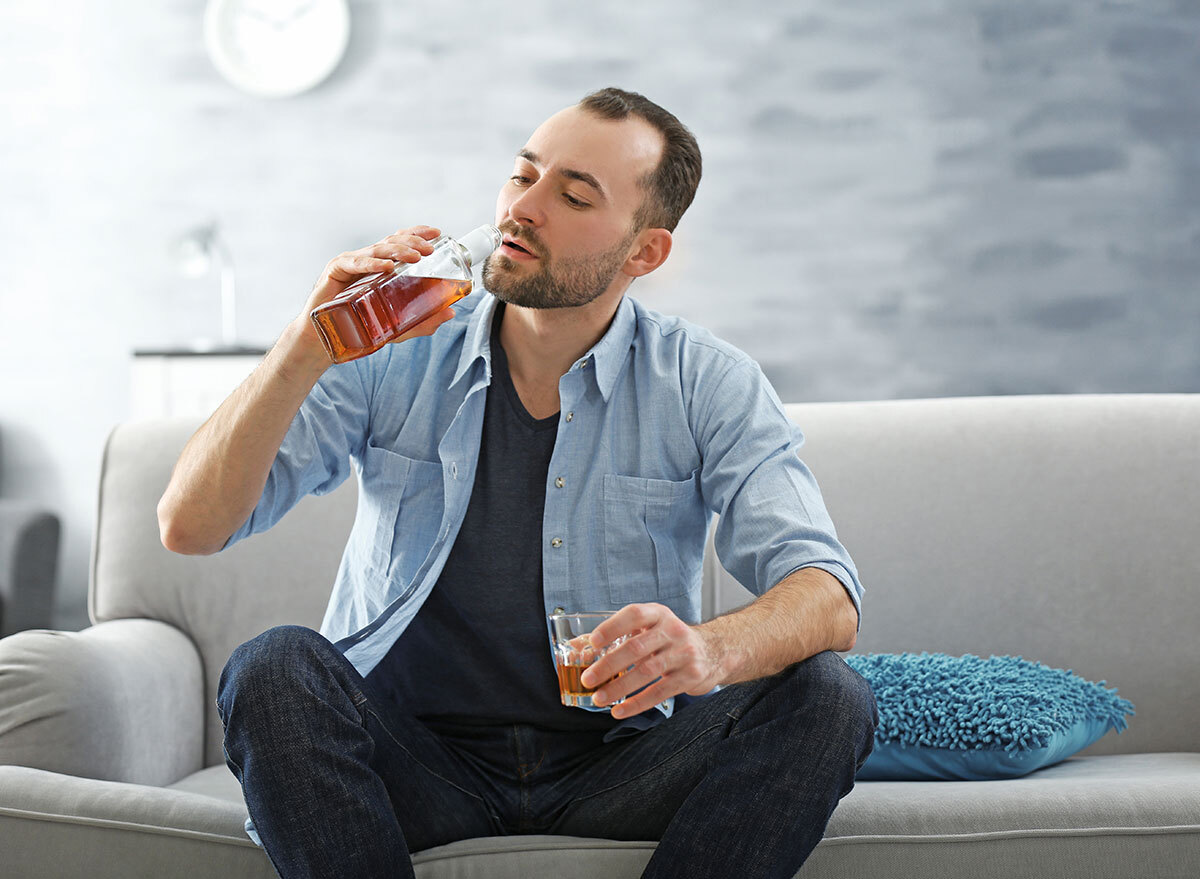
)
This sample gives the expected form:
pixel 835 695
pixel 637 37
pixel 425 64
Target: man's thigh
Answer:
pixel 437 796
pixel 298 712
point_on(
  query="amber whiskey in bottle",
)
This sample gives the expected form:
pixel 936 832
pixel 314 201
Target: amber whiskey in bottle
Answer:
pixel 379 308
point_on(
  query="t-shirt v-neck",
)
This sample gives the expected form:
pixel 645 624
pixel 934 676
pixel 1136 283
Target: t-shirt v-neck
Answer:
pixel 500 371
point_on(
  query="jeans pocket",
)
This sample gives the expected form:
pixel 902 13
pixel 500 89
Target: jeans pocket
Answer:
pixel 653 537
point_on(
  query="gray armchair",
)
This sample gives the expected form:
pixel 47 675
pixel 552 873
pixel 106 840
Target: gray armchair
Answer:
pixel 28 565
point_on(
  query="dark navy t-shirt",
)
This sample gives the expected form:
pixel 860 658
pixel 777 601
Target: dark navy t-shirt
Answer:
pixel 478 650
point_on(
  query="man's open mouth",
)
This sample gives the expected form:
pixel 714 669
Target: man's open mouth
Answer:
pixel 513 245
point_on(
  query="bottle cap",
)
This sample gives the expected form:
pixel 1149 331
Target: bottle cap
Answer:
pixel 481 242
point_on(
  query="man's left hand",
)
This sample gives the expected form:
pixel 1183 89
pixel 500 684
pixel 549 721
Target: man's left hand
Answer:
pixel 660 648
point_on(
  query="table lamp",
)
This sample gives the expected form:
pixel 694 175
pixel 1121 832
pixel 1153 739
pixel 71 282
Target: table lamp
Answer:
pixel 194 254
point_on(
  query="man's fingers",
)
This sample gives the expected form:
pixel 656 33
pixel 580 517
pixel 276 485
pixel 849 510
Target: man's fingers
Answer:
pixel 626 621
pixel 618 688
pixel 635 650
pixel 646 699
pixel 426 232
pixel 417 241
pixel 401 252
pixel 350 266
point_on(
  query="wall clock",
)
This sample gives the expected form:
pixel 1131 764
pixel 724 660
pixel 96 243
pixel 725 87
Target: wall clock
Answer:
pixel 276 48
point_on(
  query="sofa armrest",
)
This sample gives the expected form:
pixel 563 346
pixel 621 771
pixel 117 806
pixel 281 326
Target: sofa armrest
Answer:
pixel 120 701
pixel 28 564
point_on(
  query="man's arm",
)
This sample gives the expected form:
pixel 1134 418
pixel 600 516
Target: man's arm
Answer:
pixel 773 529
pixel 807 612
pixel 223 469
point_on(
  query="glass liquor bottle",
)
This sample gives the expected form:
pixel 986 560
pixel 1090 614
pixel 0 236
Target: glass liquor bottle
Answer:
pixel 378 308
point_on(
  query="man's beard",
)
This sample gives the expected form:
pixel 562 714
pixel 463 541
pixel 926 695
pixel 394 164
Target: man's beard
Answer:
pixel 573 283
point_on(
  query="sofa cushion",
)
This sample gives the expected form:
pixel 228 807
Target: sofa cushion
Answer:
pixel 1106 816
pixel 972 719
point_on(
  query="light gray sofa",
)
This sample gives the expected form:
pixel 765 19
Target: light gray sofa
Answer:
pixel 1063 529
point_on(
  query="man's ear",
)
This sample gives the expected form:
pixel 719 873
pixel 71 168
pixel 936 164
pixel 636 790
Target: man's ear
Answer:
pixel 654 246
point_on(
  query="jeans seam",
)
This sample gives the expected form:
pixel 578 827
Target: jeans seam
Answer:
pixel 231 763
pixel 525 773
pixel 413 757
pixel 649 769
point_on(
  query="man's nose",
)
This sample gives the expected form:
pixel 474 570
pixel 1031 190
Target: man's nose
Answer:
pixel 528 208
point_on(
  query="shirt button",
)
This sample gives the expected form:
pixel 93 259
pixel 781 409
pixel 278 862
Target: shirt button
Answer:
pixel 454 469
pixel 570 416
pixel 559 482
pixel 556 542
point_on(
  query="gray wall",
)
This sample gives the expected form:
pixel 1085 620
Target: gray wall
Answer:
pixel 926 198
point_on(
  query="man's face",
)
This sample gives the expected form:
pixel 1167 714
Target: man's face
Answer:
pixel 567 210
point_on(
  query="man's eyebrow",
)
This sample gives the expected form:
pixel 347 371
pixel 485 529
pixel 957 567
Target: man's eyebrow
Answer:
pixel 581 176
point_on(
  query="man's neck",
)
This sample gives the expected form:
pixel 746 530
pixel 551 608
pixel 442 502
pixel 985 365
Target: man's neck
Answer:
pixel 542 344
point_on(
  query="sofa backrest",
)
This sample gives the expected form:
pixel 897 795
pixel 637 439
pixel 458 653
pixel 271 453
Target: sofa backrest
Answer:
pixel 1062 529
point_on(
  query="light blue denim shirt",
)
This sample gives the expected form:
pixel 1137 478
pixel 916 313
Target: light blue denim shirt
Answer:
pixel 661 425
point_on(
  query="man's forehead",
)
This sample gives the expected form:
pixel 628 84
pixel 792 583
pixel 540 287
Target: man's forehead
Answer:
pixel 614 153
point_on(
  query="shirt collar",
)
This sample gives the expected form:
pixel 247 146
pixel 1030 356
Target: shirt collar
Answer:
pixel 607 356
pixel 478 342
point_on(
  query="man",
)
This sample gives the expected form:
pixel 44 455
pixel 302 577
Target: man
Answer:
pixel 547 443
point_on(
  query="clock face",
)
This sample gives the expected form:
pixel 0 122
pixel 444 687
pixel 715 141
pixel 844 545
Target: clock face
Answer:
pixel 276 48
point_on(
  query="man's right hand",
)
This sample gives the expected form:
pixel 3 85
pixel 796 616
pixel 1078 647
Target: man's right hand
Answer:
pixel 406 245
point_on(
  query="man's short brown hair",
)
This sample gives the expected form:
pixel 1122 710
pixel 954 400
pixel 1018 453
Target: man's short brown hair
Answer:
pixel 671 186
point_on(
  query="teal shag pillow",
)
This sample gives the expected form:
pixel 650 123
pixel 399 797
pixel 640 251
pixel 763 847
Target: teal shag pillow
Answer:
pixel 963 718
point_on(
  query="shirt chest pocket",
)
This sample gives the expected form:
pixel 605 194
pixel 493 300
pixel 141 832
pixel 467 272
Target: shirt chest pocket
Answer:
pixel 402 499
pixel 654 533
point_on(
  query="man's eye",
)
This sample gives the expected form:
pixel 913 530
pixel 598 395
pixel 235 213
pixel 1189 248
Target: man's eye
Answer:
pixel 573 201
pixel 518 178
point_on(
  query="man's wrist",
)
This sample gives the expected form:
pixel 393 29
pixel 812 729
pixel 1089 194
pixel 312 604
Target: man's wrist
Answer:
pixel 721 655
pixel 303 358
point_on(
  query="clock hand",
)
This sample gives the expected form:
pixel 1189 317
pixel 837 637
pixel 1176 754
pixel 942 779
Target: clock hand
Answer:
pixel 260 14
pixel 299 12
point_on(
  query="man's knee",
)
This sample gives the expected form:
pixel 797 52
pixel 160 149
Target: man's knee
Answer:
pixel 269 664
pixel 826 684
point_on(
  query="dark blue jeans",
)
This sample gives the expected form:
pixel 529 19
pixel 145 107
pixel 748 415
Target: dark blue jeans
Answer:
pixel 342 783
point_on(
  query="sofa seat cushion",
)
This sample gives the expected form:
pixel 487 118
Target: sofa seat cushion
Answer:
pixel 1093 816
pixel 1109 816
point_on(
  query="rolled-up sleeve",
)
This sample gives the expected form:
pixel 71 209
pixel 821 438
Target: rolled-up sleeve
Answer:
pixel 772 518
pixel 315 455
